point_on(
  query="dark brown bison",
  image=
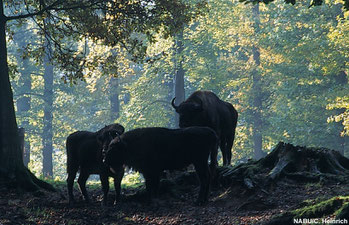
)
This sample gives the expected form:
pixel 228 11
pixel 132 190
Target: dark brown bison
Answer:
pixel 153 150
pixel 204 108
pixel 84 154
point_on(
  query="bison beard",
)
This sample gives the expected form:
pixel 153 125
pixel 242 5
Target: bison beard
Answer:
pixel 204 108
pixel 152 150
pixel 84 153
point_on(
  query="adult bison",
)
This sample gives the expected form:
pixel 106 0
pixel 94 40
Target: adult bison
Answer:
pixel 152 150
pixel 204 108
pixel 84 153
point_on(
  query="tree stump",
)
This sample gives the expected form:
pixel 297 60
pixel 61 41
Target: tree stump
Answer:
pixel 296 163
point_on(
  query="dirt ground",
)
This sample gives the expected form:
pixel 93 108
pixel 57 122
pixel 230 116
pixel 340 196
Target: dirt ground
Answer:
pixel 226 205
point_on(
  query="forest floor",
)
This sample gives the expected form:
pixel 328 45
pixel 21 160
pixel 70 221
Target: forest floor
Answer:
pixel 226 205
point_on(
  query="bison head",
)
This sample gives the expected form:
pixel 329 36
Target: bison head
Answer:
pixel 190 112
pixel 108 133
pixel 115 154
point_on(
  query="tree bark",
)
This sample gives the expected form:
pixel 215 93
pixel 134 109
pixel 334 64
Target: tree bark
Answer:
pixel 257 92
pixel 47 135
pixel 10 154
pixel 179 74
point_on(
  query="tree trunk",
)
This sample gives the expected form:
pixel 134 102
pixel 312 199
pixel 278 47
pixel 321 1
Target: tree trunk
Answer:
pixel 257 92
pixel 169 82
pixel 26 153
pixel 24 105
pixel 179 74
pixel 24 101
pixel 13 173
pixel 47 135
pixel 114 99
pixel 10 154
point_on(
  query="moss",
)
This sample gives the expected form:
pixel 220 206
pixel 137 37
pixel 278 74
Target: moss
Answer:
pixel 343 212
pixel 320 209
pixel 338 206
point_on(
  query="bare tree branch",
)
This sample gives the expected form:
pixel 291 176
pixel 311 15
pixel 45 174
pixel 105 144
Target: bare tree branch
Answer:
pixel 30 93
pixel 55 7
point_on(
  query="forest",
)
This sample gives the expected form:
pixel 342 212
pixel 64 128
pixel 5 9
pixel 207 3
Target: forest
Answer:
pixel 80 65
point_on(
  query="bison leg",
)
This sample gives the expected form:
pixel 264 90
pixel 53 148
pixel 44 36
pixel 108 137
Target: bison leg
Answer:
pixel 223 146
pixel 152 184
pixel 70 184
pixel 229 146
pixel 82 184
pixel 213 158
pixel 213 163
pixel 203 173
pixel 117 183
pixel 105 187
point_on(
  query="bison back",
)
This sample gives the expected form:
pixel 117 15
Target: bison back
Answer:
pixel 162 148
pixel 80 145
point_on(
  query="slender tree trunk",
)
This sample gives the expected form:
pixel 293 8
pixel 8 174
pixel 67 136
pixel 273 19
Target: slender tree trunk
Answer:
pixel 24 101
pixel 169 82
pixel 24 105
pixel 179 74
pixel 257 91
pixel 47 135
pixel 114 99
pixel 26 153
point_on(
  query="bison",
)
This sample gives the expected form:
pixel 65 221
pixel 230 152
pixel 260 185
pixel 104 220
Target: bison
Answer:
pixel 84 153
pixel 153 150
pixel 204 108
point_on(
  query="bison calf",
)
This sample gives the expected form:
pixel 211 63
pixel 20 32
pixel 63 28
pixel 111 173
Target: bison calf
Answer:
pixel 152 150
pixel 84 153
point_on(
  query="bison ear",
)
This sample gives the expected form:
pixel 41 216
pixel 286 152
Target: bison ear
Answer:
pixel 121 129
pixel 99 139
pixel 198 105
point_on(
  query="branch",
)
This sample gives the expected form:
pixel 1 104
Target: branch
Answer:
pixel 54 7
pixel 40 12
pixel 29 93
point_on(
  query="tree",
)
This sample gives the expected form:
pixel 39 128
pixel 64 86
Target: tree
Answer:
pixel 313 2
pixel 47 133
pixel 94 18
pixel 179 73
pixel 25 68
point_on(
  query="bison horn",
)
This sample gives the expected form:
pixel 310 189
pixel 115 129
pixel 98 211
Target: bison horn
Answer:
pixel 173 104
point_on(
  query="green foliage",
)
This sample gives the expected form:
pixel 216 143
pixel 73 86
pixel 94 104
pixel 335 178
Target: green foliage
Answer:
pixel 303 71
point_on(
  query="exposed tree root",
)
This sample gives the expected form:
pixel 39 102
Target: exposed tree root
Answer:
pixel 26 180
pixel 299 164
pixel 292 164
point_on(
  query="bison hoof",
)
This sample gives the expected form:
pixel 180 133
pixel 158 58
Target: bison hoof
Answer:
pixel 72 202
pixel 200 202
pixel 115 203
